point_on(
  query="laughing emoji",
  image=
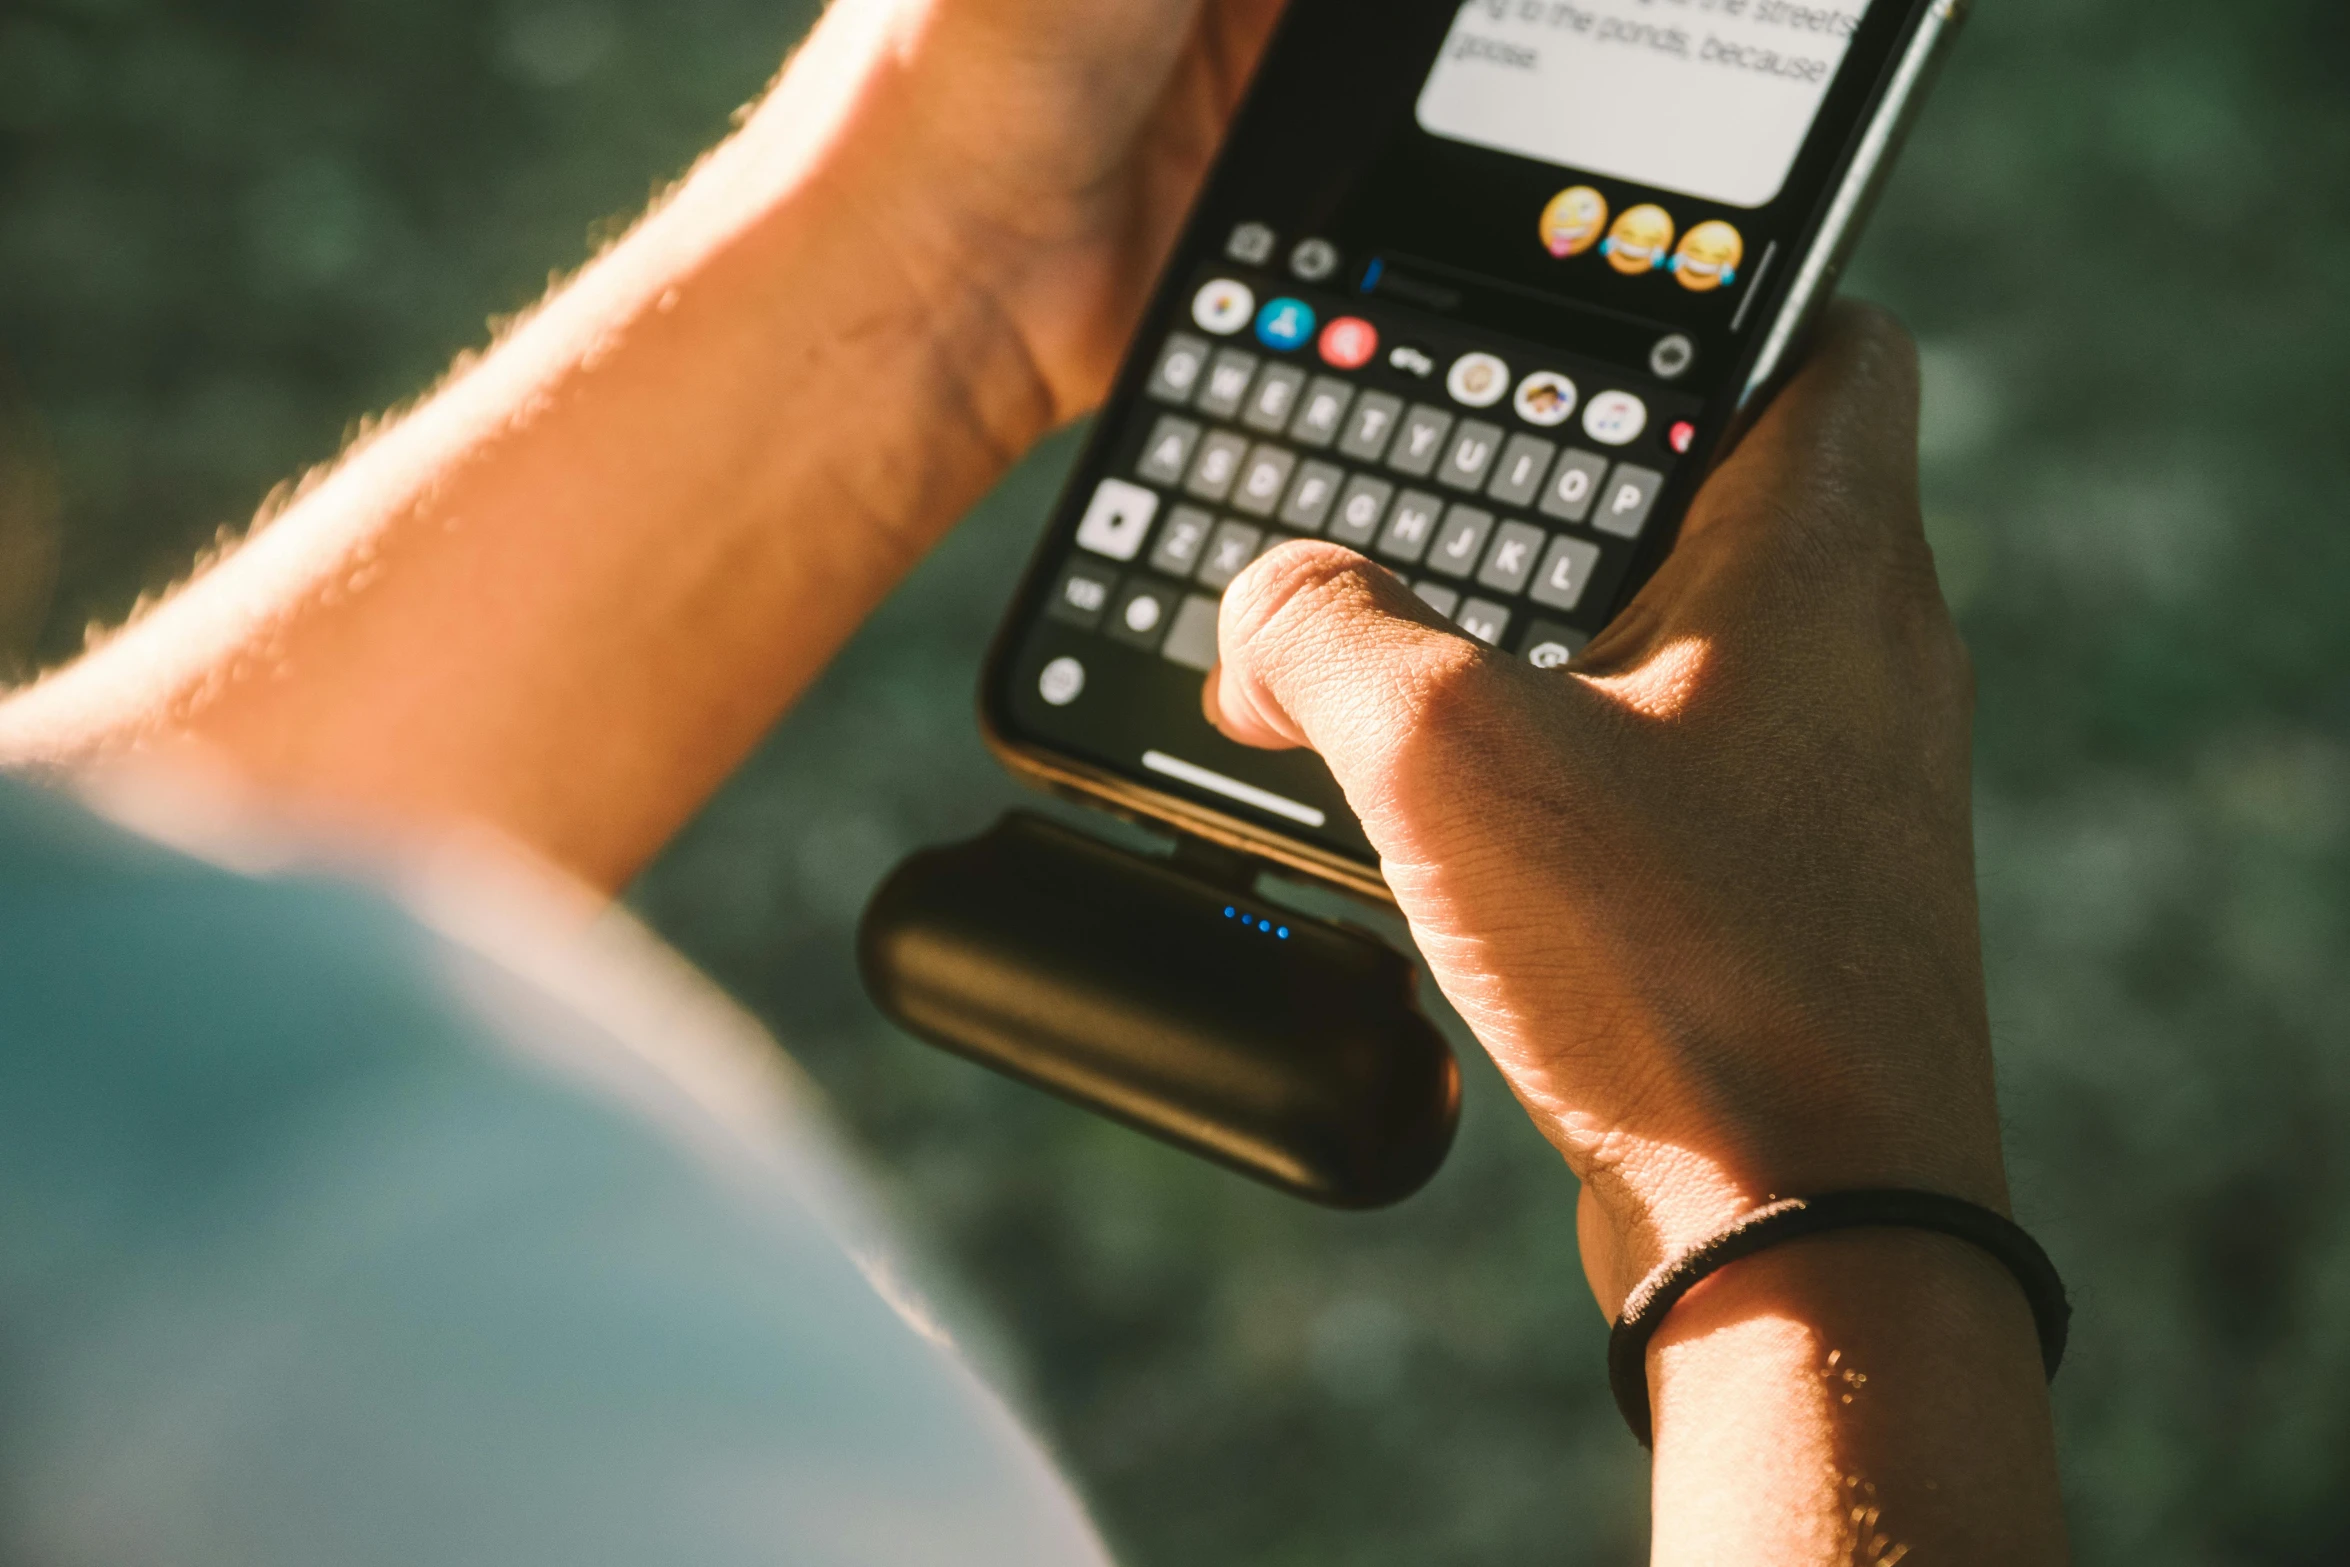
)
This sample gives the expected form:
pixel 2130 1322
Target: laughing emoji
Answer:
pixel 1573 221
pixel 1709 258
pixel 1641 241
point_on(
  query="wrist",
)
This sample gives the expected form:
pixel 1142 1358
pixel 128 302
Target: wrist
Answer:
pixel 1655 1198
pixel 1887 1374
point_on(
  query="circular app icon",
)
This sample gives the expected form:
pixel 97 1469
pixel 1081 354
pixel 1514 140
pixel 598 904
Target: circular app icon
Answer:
pixel 1546 398
pixel 1708 258
pixel 1641 241
pixel 1314 259
pixel 1350 342
pixel 1479 380
pixel 1683 436
pixel 1615 418
pixel 1672 357
pixel 1251 245
pixel 1223 307
pixel 1063 682
pixel 1573 221
pixel 1285 324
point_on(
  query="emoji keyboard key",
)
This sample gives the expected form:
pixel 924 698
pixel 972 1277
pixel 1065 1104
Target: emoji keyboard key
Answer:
pixel 1372 427
pixel 1411 526
pixel 1262 479
pixel 1269 406
pixel 1518 477
pixel 1566 572
pixel 1421 441
pixel 1176 376
pixel 1508 565
pixel 1310 498
pixel 1216 466
pixel 1709 257
pixel 1574 486
pixel 1630 496
pixel 1460 542
pixel 1640 242
pixel 1573 221
pixel 1322 413
pixel 1181 540
pixel 1227 383
pixel 1360 510
pixel 1167 454
pixel 1470 456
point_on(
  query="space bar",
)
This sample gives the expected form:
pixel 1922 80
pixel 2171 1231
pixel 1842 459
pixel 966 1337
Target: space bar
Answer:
pixel 1232 788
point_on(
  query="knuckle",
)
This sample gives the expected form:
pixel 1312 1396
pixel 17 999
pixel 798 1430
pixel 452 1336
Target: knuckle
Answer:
pixel 1447 695
pixel 1300 582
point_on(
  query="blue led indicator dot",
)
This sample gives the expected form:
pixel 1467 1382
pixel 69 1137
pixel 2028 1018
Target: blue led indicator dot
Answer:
pixel 1285 324
pixel 1251 922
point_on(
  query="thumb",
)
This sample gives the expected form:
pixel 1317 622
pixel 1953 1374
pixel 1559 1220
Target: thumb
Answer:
pixel 1323 648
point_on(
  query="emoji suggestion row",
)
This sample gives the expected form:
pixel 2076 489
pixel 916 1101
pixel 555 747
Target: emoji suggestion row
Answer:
pixel 1641 240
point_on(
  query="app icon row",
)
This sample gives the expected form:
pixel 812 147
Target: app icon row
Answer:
pixel 1641 240
pixel 1543 398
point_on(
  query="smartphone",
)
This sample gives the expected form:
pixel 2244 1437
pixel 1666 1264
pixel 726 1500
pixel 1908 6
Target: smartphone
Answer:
pixel 1478 289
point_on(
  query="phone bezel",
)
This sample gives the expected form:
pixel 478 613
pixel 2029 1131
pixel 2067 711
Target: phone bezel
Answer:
pixel 1819 250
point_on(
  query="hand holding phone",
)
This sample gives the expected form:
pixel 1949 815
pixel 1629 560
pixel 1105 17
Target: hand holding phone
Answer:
pixel 1708 900
pixel 1480 291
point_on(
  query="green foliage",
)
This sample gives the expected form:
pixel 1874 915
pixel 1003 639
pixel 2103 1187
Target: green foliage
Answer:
pixel 227 227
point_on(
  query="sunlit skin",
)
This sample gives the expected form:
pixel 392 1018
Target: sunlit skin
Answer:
pixel 1573 221
pixel 1704 895
pixel 1707 897
pixel 1639 240
pixel 1709 257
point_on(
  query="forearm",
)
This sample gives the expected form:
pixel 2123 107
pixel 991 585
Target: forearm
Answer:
pixel 1867 1398
pixel 567 594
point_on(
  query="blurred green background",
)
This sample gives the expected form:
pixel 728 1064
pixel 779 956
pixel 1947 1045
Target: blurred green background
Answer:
pixel 228 228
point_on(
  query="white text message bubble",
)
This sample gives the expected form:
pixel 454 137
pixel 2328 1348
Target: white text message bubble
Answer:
pixel 1710 98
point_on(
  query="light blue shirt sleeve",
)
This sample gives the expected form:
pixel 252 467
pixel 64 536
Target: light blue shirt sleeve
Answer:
pixel 329 1237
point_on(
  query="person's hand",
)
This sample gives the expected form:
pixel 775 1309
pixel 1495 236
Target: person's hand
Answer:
pixel 1040 154
pixel 1707 894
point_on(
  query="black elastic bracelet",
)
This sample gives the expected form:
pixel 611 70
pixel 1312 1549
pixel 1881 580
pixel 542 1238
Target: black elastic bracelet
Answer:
pixel 1797 1218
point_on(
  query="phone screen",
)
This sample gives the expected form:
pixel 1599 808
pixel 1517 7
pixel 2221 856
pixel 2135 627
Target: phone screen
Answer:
pixel 1475 289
